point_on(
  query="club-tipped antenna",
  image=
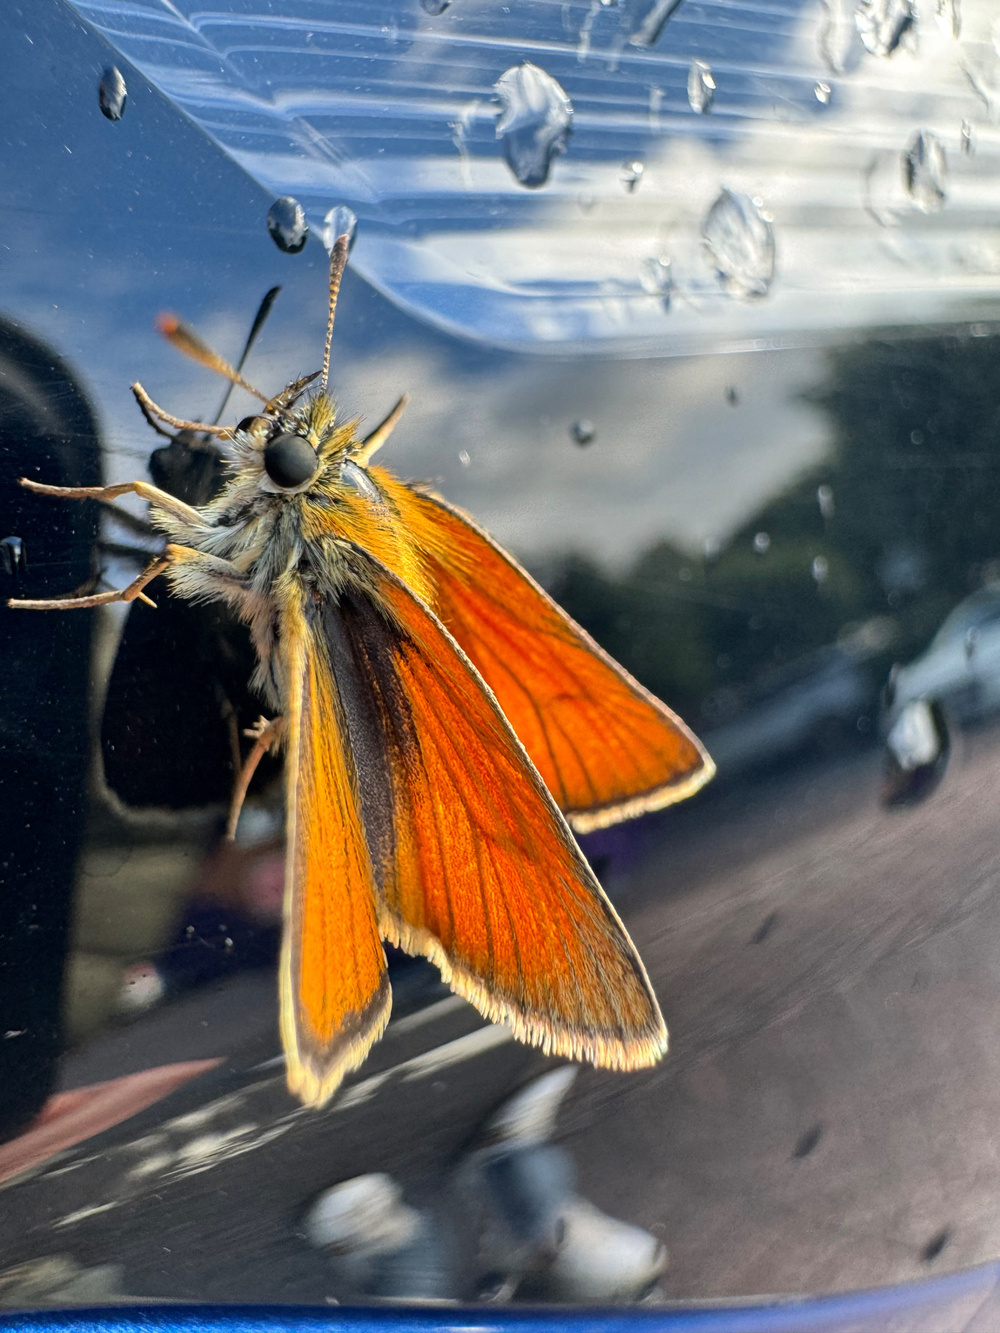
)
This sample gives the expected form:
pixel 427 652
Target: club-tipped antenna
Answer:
pixel 338 262
pixel 259 320
pixel 188 342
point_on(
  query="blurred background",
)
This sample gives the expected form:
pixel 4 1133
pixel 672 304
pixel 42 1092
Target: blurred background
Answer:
pixel 697 305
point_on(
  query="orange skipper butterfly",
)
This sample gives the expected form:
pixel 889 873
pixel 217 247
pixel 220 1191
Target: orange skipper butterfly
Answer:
pixel 444 723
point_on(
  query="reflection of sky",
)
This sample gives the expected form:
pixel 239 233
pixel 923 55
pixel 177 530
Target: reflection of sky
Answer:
pixel 105 225
pixel 377 104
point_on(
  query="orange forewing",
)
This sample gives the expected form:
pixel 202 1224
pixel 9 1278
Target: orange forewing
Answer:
pixel 605 747
pixel 480 872
pixel 335 995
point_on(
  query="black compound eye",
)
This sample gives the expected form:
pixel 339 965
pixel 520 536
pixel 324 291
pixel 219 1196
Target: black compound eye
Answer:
pixel 290 460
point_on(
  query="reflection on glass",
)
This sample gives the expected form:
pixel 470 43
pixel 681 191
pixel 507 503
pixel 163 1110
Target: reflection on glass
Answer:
pixel 757 460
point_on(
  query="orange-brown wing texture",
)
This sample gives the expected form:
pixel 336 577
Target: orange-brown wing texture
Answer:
pixel 335 995
pixel 476 868
pixel 605 747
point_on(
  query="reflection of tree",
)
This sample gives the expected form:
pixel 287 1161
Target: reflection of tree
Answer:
pixel 910 523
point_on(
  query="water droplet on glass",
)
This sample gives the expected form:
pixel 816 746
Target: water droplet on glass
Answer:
pixel 808 1142
pixel 823 93
pixel 112 93
pixel 227 943
pixel 701 87
pixel 883 24
pixel 189 932
pixel 654 22
pixel 740 244
pixel 824 498
pixel 464 457
pixel 534 122
pixel 949 16
pixel 340 221
pixel 13 558
pixel 608 4
pixel 925 169
pixel 656 278
pixel 820 568
pixel 656 96
pixel 287 224
pixel 434 7
pixel 762 543
pixel 839 42
pixel 711 547
pixel 984 75
pixel 966 133
pixel 916 752
pixel 586 202
pixel 583 431
pixel 732 396
pixel 631 173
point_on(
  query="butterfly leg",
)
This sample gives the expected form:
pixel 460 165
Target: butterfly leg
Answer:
pixel 129 594
pixel 265 735
pixel 201 569
pixel 143 489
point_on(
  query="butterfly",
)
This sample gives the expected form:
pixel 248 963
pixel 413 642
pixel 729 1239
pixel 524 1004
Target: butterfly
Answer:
pixel 444 726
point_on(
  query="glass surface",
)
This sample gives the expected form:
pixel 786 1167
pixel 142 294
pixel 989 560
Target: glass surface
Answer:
pixel 698 320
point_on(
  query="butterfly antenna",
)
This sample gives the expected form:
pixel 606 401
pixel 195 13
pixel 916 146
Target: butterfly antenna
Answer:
pixel 338 262
pixel 259 320
pixel 151 411
pixel 188 342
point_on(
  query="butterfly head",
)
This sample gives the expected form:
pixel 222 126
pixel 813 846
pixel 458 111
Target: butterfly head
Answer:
pixel 295 445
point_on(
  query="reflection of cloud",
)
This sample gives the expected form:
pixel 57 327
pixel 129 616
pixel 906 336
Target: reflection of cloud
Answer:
pixel 452 237
pixel 671 458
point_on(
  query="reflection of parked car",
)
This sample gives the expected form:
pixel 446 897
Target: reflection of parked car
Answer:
pixel 960 670
pixel 824 698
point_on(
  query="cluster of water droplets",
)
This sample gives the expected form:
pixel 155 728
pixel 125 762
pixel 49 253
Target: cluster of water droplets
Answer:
pixel 535 120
